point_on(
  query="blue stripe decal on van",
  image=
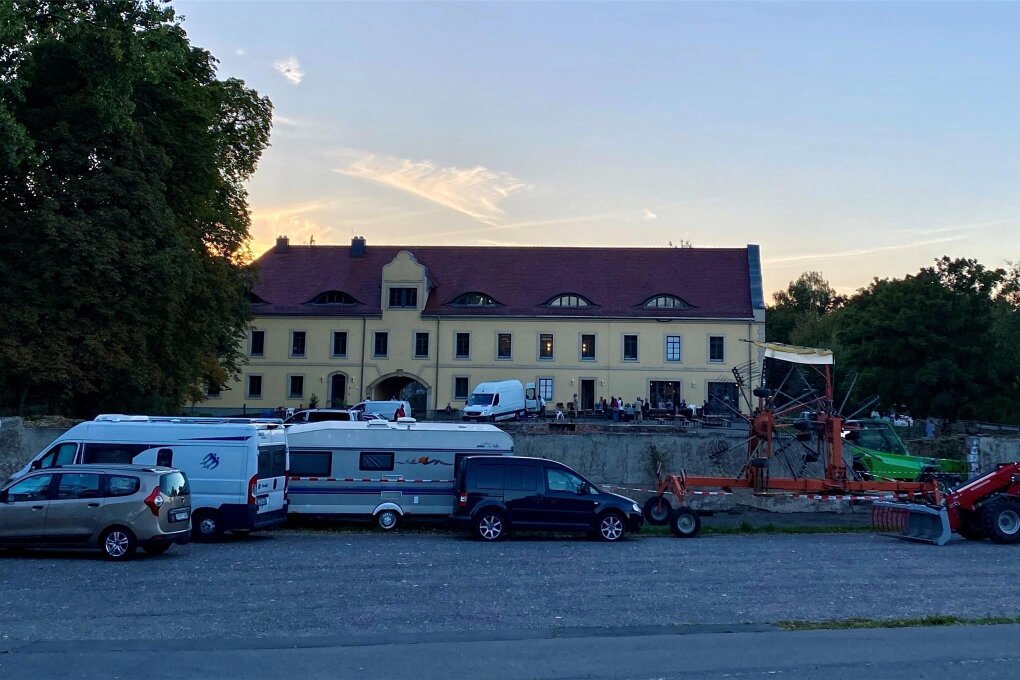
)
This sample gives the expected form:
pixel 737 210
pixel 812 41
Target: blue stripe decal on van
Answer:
pixel 413 491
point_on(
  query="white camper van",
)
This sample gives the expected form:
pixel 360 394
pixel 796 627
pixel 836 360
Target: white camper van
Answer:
pixel 382 469
pixel 492 401
pixel 237 468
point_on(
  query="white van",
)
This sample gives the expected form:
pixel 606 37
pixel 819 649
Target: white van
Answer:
pixel 533 401
pixel 237 468
pixel 386 409
pixel 381 469
pixel 492 401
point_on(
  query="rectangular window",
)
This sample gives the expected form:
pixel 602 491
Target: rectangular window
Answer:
pixel 630 348
pixel 421 345
pixel 73 486
pixel 272 461
pixel 377 461
pixel 716 349
pixel 122 486
pixel 254 387
pixel 521 478
pixel 212 389
pixel 665 393
pixel 587 346
pixel 504 348
pixel 311 463
pixel 489 477
pixel 463 346
pixel 404 298
pixel 545 388
pixel 295 386
pixel 297 343
pixel 339 344
pixel 258 343
pixel 672 348
pixel 545 346
pixel 460 388
pixel 382 345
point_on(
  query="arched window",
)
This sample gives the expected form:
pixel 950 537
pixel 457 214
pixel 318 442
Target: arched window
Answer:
pixel 666 301
pixel 473 300
pixel 333 297
pixel 254 299
pixel 568 300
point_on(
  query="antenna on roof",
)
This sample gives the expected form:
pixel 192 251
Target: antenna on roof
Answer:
pixel 311 240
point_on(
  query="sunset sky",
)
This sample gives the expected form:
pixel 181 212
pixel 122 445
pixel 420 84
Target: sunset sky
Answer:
pixel 855 139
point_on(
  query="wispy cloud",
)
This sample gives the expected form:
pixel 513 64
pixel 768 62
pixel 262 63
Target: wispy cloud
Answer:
pixel 240 52
pixel 476 192
pixel 284 120
pixel 290 69
pixel 649 215
pixel 963 226
pixel 845 254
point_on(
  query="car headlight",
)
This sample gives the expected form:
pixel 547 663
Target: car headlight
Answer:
pixel 637 508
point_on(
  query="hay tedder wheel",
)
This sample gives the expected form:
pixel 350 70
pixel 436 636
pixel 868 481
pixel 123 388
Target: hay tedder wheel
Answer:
pixel 657 510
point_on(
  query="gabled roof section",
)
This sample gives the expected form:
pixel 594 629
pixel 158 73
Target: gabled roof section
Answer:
pixel 715 282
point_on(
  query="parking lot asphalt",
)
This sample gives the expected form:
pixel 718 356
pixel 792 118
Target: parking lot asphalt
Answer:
pixel 307 583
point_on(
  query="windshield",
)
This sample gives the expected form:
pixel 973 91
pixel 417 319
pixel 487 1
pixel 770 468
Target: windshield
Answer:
pixel 480 400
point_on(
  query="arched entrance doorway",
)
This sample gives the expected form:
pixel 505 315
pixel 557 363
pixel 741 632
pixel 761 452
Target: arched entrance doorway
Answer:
pixel 403 386
pixel 338 390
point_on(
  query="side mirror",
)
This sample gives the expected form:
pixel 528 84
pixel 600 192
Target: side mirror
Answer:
pixel 36 465
pixel 584 489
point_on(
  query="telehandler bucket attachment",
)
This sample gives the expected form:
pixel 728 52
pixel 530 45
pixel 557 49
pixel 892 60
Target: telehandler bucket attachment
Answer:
pixel 912 521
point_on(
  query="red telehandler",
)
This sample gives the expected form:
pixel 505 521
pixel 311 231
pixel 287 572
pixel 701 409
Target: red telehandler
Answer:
pixel 985 507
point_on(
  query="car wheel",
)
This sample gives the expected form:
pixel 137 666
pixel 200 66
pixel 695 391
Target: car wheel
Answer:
pixel 490 525
pixel 685 523
pixel 657 510
pixel 118 544
pixel 207 526
pixel 611 527
pixel 388 519
pixel 1000 520
pixel 156 548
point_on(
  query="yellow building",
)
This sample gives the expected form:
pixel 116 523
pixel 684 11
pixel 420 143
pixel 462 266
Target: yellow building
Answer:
pixel 427 323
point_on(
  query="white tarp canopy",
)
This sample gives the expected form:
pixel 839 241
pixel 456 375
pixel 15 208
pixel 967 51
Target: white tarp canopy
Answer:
pixel 795 354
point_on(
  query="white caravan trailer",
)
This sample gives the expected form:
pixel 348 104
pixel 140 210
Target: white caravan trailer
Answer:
pixel 382 469
pixel 237 467
pixel 492 401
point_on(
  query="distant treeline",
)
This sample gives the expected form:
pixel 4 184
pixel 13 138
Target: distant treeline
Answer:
pixel 944 342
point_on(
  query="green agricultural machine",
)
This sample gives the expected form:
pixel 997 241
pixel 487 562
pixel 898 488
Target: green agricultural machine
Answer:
pixel 879 453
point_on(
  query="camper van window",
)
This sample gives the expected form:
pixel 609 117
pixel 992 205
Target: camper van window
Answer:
pixel 62 454
pixel 116 485
pixel 311 463
pixel 480 400
pixel 272 461
pixel 522 478
pixel 376 461
pixel 117 453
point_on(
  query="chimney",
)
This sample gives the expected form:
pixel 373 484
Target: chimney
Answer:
pixel 282 245
pixel 358 246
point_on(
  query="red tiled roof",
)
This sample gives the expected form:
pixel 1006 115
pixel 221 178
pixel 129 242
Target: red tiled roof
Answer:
pixel 617 281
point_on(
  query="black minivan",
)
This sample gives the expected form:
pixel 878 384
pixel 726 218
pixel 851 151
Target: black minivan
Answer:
pixel 495 494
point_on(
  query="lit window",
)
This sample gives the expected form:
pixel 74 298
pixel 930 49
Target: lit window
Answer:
pixel 587 346
pixel 545 346
pixel 545 388
pixel 503 346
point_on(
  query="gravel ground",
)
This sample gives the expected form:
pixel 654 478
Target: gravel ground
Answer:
pixel 318 583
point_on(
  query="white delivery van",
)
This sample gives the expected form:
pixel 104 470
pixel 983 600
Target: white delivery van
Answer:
pixel 382 469
pixel 386 409
pixel 492 401
pixel 237 468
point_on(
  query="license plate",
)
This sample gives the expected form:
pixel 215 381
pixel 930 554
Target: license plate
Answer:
pixel 262 500
pixel 178 515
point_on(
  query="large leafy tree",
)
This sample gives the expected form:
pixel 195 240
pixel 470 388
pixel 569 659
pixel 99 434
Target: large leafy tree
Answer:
pixel 797 315
pixel 123 214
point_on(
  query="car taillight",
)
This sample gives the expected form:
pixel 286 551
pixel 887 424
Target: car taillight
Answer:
pixel 462 500
pixel 253 484
pixel 154 501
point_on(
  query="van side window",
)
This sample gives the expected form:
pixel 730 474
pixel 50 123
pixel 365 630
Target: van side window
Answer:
pixel 311 463
pixel 77 486
pixel 522 478
pixel 113 452
pixel 61 454
pixel 376 461
pixel 119 485
pixel 561 480
pixel 489 477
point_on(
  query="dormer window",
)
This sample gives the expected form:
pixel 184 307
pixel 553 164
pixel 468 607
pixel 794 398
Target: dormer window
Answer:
pixel 666 302
pixel 403 298
pixel 254 299
pixel 333 297
pixel 568 300
pixel 473 300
